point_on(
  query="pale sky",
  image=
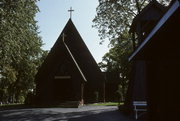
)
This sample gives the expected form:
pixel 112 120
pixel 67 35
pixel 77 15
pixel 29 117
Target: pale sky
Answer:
pixel 54 15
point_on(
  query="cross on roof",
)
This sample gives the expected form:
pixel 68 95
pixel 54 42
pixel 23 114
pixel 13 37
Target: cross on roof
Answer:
pixel 70 11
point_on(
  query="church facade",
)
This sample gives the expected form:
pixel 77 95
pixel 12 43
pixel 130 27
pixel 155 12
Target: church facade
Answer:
pixel 69 73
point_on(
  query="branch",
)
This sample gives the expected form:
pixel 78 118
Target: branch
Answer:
pixel 138 7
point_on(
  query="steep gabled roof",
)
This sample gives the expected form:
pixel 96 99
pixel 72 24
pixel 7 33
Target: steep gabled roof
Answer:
pixel 70 47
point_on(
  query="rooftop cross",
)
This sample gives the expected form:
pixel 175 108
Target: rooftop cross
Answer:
pixel 70 10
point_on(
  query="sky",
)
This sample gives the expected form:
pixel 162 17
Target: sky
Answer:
pixel 54 15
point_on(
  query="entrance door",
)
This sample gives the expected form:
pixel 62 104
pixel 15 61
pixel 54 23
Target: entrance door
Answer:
pixel 63 89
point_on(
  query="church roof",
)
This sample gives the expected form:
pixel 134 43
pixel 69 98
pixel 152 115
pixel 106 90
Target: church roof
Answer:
pixel 145 13
pixel 71 46
pixel 161 37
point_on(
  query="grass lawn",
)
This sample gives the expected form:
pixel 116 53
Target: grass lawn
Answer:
pixel 12 106
pixel 106 104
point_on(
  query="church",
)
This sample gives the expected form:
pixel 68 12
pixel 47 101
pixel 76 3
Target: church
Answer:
pixel 69 73
pixel 156 61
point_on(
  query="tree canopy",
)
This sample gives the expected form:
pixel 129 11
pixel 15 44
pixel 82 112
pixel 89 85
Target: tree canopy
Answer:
pixel 20 48
pixel 115 16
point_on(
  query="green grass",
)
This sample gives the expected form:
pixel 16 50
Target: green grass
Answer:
pixel 11 104
pixel 106 104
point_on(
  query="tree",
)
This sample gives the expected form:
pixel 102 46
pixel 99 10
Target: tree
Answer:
pixel 116 61
pixel 20 48
pixel 115 16
pixel 113 20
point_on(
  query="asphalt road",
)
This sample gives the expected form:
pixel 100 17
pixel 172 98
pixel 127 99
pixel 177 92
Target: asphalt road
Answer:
pixel 85 113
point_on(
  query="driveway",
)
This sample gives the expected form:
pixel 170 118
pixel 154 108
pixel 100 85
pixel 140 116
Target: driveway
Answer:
pixel 85 113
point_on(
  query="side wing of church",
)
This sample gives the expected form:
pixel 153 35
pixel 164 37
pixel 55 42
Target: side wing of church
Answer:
pixel 69 73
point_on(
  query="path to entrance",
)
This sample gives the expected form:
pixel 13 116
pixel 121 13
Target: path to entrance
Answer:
pixel 85 113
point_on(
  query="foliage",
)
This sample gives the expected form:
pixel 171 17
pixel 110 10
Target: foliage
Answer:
pixel 115 16
pixel 20 48
pixel 113 20
pixel 116 60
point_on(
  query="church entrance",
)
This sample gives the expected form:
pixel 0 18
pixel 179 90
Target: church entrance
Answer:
pixel 63 89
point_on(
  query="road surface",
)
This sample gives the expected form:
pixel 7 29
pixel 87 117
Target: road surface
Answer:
pixel 85 113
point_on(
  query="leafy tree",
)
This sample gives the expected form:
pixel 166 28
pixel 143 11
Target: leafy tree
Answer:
pixel 20 47
pixel 115 16
pixel 116 61
pixel 113 20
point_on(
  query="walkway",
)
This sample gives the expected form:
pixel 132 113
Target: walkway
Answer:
pixel 85 113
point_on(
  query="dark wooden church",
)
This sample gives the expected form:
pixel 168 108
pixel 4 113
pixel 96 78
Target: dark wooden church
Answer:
pixel 69 73
pixel 156 59
pixel 141 26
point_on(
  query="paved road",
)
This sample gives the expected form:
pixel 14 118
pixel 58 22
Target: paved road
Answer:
pixel 85 113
